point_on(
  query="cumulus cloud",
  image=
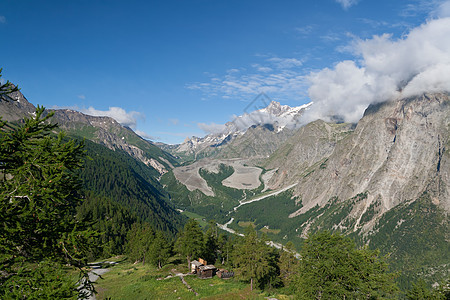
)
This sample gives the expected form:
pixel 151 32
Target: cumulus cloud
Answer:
pixel 117 113
pixel 387 68
pixel 346 4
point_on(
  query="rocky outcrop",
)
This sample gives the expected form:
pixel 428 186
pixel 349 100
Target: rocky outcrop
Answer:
pixel 17 109
pixel 309 147
pixel 111 134
pixel 398 151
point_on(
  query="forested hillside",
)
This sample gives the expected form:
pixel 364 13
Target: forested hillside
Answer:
pixel 121 190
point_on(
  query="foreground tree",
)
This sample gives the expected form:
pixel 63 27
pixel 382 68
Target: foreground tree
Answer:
pixel 139 240
pixel 288 264
pixel 6 89
pixel 38 196
pixel 190 241
pixel 255 261
pixel 211 242
pixel 160 250
pixel 333 268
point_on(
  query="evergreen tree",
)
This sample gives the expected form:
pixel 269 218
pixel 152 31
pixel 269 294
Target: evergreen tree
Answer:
pixel 38 197
pixel 140 239
pixel 255 261
pixel 288 264
pixel 160 250
pixel 190 241
pixel 211 243
pixel 6 89
pixel 225 246
pixel 420 291
pixel 331 267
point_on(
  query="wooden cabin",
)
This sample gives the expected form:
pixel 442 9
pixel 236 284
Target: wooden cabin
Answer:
pixel 195 264
pixel 207 271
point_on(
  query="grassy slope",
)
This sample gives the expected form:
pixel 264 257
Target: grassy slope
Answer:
pixel 129 281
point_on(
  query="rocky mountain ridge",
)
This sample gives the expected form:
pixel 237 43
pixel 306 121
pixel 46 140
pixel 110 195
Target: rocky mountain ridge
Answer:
pixel 110 133
pixel 398 151
pixel 102 130
pixel 275 117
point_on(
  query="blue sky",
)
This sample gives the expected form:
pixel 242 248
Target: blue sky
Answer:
pixel 170 69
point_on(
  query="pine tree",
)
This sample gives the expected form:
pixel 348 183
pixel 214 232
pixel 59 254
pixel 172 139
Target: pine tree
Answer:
pixel 38 196
pixel 255 261
pixel 160 250
pixel 190 241
pixel 211 242
pixel 140 239
pixel 6 89
pixel 420 291
pixel 331 267
pixel 288 264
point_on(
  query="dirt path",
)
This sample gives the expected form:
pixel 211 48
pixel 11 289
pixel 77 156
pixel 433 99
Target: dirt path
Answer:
pixel 95 274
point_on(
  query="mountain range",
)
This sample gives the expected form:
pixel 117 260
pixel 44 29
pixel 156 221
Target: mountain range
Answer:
pixel 383 181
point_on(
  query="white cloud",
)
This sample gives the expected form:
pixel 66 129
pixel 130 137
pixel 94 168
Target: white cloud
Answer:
pixel 346 4
pixel 211 128
pixel 146 135
pixel 119 114
pixel 82 97
pixel 387 68
pixel 278 77
pixel 305 30
pixel 2 19
pixel 443 10
pixel 285 63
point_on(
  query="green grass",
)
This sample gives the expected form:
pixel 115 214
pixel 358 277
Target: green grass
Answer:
pixel 268 230
pixel 244 224
pixel 129 281
pixel 200 219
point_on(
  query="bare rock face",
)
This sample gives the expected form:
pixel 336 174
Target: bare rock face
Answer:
pixel 398 151
pixel 258 133
pixel 17 109
pixel 111 134
pixel 308 148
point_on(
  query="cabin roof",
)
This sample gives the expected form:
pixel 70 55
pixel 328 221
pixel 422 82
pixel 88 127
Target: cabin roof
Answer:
pixel 207 267
pixel 196 263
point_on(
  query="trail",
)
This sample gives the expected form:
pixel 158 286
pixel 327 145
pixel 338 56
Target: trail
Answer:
pixel 95 274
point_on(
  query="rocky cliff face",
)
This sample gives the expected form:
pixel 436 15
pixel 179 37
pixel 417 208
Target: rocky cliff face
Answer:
pixel 258 132
pixel 398 151
pixel 102 130
pixel 16 110
pixel 108 132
